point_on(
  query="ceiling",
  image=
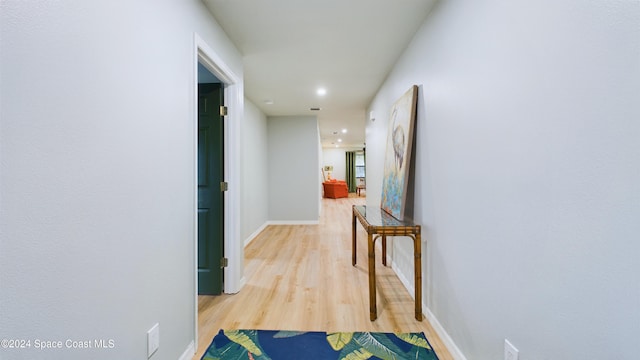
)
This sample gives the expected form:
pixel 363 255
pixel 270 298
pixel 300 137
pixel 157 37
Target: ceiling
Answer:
pixel 291 48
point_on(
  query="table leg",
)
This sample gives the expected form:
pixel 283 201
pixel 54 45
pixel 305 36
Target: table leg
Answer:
pixel 353 240
pixel 384 250
pixel 417 250
pixel 373 311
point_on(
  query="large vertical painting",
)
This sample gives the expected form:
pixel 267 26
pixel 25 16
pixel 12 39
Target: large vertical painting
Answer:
pixel 397 156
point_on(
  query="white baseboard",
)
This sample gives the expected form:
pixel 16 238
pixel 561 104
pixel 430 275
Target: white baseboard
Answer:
pixel 442 333
pixel 189 352
pixel 403 279
pixel 255 234
pixel 444 336
pixel 293 222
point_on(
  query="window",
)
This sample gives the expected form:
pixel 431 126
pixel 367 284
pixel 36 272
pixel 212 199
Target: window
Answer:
pixel 360 173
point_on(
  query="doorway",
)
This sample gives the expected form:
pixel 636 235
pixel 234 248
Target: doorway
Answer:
pixel 233 95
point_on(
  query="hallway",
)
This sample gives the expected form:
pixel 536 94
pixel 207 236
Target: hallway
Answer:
pixel 301 278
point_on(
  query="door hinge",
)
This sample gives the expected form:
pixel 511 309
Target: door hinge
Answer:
pixel 224 262
pixel 223 110
pixel 224 186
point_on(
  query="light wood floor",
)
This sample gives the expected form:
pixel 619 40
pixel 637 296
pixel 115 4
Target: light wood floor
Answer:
pixel 300 278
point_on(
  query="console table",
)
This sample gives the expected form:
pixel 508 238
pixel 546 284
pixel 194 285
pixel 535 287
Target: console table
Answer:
pixel 379 223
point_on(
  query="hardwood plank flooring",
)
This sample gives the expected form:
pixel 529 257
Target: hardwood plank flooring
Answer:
pixel 299 277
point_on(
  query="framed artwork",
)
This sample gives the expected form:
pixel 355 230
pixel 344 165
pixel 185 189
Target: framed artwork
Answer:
pixel 398 153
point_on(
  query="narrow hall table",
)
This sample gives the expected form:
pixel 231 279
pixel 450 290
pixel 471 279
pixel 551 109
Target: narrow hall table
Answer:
pixel 379 223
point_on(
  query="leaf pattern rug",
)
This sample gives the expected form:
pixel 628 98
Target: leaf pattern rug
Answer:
pixel 282 345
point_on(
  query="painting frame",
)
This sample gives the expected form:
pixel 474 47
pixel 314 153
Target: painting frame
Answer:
pixel 398 153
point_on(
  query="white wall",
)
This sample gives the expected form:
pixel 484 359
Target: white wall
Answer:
pixel 97 172
pixel 337 158
pixel 320 177
pixel 293 169
pixel 526 174
pixel 255 171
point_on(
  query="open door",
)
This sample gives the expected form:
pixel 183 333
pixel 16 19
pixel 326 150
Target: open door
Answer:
pixel 211 187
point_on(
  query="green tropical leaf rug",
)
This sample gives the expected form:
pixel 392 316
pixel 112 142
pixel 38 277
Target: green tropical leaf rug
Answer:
pixel 282 345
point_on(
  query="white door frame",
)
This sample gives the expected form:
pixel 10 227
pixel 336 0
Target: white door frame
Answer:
pixel 234 100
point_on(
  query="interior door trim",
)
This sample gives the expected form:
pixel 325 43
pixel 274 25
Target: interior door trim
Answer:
pixel 234 100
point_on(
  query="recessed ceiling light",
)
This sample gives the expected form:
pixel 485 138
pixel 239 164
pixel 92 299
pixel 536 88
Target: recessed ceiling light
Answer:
pixel 321 92
pixel 344 131
pixel 339 140
pixel 268 102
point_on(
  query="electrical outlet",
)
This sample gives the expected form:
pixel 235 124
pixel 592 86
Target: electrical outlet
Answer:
pixel 153 340
pixel 510 351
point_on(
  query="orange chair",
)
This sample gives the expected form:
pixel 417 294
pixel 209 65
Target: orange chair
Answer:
pixel 335 189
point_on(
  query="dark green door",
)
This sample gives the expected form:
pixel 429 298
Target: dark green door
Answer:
pixel 210 195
